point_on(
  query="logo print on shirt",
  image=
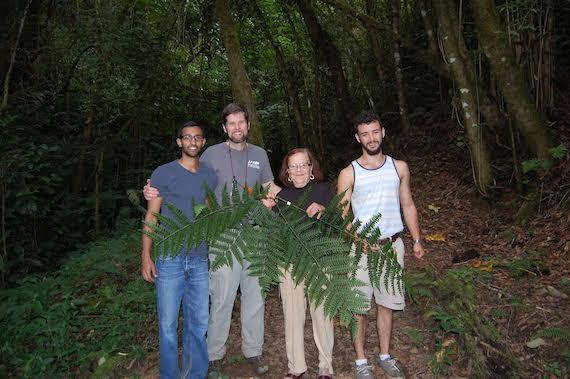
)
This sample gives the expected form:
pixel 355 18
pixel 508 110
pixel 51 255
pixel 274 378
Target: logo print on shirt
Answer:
pixel 253 164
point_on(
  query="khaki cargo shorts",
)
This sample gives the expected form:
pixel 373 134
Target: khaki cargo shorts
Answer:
pixel 395 299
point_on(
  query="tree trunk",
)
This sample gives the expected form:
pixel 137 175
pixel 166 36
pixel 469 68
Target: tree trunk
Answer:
pixel 288 83
pixel 487 105
pixel 79 172
pixel 402 101
pixel 375 42
pixel 4 269
pixel 13 58
pixel 432 44
pixel 507 73
pixel 480 160
pixel 241 86
pixel 317 114
pixel 97 191
pixel 330 56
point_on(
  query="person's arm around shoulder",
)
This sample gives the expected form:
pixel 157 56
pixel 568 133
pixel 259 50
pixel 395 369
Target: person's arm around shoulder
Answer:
pixel 148 268
pixel 409 208
pixel 344 186
pixel 150 192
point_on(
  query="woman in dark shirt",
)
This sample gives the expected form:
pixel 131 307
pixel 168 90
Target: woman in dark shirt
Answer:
pixel 300 172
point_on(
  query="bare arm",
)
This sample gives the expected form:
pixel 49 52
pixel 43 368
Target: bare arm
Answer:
pixel 344 185
pixel 148 269
pixel 409 208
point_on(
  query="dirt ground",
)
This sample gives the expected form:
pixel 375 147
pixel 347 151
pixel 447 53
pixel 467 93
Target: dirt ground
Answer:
pixel 469 231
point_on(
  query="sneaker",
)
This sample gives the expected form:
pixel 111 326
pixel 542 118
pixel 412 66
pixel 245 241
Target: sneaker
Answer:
pixel 215 369
pixel 392 368
pixel 259 367
pixel 363 372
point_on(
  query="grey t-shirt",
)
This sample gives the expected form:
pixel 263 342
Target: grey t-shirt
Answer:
pixel 247 167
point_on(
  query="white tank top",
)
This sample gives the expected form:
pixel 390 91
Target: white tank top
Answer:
pixel 378 191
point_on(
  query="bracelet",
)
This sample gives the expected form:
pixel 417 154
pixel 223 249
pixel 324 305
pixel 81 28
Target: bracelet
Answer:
pixel 417 241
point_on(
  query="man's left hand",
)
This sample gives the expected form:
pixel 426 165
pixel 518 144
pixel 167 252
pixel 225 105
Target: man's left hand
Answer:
pixel 419 251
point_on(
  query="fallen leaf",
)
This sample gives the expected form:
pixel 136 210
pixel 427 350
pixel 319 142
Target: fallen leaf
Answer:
pixel 554 292
pixel 535 343
pixel 448 342
pixel 439 356
pixel 435 237
pixel 433 208
pixel 483 266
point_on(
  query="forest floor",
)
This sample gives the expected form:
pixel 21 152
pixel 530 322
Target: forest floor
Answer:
pixel 523 289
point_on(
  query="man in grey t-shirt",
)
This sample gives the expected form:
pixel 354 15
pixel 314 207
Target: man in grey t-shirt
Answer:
pixel 235 161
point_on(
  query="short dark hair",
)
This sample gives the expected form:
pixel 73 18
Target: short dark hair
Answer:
pixel 284 176
pixel 233 108
pixel 365 117
pixel 187 124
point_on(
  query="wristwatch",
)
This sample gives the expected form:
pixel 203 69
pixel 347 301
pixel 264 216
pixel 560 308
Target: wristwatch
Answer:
pixel 417 241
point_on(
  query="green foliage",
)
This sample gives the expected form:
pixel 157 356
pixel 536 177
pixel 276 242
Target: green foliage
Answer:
pixel 418 286
pixel 451 302
pixel 552 369
pixel 565 354
pixel 440 362
pixel 543 165
pixel 447 322
pixel 318 252
pixel 556 333
pixel 415 336
pixel 529 263
pixel 565 282
pixel 558 152
pixel 89 311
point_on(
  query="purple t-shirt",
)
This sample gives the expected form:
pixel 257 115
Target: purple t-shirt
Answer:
pixel 181 188
pixel 246 167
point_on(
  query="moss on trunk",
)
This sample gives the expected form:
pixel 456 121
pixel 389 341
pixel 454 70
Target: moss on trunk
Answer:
pixel 480 159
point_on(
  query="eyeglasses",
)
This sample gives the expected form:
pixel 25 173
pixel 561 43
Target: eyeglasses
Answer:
pixel 189 137
pixel 299 166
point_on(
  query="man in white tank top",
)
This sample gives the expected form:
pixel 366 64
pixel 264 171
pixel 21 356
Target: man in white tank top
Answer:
pixel 376 183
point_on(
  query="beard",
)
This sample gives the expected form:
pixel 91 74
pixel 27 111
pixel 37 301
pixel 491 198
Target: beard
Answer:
pixel 375 151
pixel 235 139
pixel 241 139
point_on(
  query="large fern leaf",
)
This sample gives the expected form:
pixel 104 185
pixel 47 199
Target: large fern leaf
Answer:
pixel 324 254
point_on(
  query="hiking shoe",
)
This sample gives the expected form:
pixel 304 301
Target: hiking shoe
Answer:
pixel 215 369
pixel 392 368
pixel 363 372
pixel 259 367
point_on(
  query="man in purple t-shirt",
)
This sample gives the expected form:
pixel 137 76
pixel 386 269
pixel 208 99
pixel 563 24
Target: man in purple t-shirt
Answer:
pixel 182 278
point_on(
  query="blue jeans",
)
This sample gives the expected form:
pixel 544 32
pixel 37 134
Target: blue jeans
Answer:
pixel 183 279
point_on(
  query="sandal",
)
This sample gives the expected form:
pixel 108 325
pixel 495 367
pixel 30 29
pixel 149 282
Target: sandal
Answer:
pixel 294 376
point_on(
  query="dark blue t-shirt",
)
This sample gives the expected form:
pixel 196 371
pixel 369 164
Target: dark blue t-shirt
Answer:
pixel 180 187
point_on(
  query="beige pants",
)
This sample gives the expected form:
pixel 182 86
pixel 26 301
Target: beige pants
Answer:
pixel 294 310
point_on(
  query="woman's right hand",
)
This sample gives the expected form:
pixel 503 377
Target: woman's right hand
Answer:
pixel 150 192
pixel 315 209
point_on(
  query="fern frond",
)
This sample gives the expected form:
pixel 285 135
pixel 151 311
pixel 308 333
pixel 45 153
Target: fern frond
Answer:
pixel 323 254
pixel 179 216
pixel 226 247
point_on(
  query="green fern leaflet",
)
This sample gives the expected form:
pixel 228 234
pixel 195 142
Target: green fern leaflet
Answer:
pixel 324 253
